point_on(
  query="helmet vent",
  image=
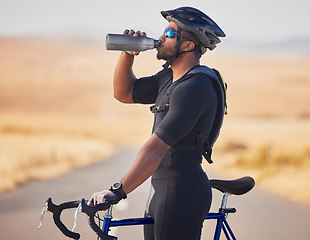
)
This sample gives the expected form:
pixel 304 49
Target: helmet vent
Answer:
pixel 208 20
pixel 186 17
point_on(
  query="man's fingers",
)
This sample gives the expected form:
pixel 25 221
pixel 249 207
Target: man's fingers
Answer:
pixel 91 201
pixel 134 33
pixel 131 32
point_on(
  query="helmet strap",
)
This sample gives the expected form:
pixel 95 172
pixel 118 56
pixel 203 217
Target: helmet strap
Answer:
pixel 177 50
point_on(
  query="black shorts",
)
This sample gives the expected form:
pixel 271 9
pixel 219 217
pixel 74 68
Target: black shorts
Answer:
pixel 179 204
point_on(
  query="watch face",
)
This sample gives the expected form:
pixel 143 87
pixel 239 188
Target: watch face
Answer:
pixel 117 185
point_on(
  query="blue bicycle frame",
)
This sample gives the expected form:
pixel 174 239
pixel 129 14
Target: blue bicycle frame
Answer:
pixel 222 224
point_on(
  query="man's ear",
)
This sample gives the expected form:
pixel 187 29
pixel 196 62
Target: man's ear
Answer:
pixel 188 46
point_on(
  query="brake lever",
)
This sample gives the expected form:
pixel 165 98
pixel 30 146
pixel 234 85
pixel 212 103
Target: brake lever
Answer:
pixel 77 211
pixel 42 215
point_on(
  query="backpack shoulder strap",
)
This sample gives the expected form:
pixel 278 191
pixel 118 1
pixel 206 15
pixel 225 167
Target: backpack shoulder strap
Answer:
pixel 215 75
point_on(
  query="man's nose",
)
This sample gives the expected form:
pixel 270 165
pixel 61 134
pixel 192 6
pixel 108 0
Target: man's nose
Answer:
pixel 162 38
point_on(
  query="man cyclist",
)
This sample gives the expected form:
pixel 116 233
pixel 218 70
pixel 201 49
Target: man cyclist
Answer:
pixel 185 105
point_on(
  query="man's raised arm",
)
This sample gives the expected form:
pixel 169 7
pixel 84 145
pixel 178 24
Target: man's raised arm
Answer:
pixel 124 78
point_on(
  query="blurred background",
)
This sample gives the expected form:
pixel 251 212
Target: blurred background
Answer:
pixel 57 110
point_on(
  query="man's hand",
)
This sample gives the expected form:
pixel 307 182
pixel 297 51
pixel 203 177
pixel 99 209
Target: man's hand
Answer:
pixel 113 196
pixel 104 196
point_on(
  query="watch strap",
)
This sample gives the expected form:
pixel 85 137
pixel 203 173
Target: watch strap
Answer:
pixel 119 192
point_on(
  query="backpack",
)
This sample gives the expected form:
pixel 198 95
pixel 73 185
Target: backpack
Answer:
pixel 204 142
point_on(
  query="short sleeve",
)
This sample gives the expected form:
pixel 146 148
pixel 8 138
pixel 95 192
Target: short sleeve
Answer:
pixel 145 90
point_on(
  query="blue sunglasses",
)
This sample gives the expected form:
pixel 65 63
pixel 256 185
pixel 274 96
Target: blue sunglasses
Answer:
pixel 170 33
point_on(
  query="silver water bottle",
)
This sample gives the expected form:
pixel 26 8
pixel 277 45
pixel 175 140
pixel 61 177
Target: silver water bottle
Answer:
pixel 123 42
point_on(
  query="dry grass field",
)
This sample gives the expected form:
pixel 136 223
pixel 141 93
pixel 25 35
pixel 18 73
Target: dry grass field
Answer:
pixel 57 113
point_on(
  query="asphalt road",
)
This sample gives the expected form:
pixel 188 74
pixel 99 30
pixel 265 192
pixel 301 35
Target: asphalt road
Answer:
pixel 259 215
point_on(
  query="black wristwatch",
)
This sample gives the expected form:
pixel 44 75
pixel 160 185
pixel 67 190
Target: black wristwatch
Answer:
pixel 117 188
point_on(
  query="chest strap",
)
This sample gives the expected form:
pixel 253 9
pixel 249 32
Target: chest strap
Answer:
pixel 160 108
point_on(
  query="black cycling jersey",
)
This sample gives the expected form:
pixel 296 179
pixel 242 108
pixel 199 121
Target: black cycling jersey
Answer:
pixel 193 105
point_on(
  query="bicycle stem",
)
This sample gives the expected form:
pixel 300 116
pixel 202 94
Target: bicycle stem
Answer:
pixel 109 212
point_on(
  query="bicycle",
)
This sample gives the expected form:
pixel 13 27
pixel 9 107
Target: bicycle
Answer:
pixel 227 187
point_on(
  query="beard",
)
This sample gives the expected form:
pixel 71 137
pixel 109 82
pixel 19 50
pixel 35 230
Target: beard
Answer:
pixel 166 53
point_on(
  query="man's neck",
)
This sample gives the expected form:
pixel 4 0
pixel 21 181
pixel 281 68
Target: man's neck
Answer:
pixel 182 65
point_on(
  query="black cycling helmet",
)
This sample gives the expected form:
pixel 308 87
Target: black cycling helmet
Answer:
pixel 199 24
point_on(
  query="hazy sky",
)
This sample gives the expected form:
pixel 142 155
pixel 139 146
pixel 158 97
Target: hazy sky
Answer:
pixel 247 20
